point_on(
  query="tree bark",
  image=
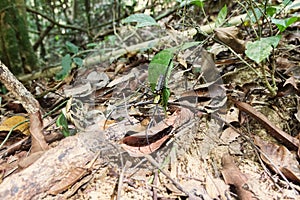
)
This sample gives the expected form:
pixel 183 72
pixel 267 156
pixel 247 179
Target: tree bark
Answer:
pixel 15 49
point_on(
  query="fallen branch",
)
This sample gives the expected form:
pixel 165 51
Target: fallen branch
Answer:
pixel 274 131
pixel 30 104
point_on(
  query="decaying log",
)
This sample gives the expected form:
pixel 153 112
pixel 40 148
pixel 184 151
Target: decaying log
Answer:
pixel 34 181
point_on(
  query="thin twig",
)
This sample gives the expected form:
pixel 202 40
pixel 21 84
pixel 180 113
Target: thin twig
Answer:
pixel 177 185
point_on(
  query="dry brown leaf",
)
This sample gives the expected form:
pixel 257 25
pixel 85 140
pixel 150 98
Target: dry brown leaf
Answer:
pixel 229 135
pixel 281 157
pixel 141 144
pixel 291 81
pixel 230 36
pixel 216 188
pixel 138 146
pixel 282 63
pixel 38 142
pixel 233 176
pixel 274 131
pixel 9 123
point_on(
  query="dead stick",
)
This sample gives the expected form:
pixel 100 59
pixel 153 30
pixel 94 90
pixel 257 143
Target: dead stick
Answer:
pixel 30 104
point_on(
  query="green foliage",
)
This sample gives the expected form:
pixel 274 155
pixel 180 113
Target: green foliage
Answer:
pixel 62 123
pixel 282 24
pixel 261 49
pixel 66 67
pixel 199 3
pixel 221 16
pixel 72 47
pixel 67 61
pixel 141 20
pixel 271 10
pixel 255 15
pixel 161 65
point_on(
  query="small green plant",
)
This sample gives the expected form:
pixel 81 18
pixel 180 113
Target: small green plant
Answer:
pixel 62 123
pixel 261 49
pixel 141 19
pixel 159 72
pixel 68 60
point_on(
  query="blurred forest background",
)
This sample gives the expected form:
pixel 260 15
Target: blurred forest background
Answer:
pixel 34 33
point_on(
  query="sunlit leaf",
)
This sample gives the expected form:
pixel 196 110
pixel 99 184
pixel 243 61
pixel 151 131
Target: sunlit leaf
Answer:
pixel 199 3
pixel 271 10
pixel 261 49
pixel 221 16
pixel 72 47
pixel 282 24
pixel 141 20
pixel 9 123
pixel 66 67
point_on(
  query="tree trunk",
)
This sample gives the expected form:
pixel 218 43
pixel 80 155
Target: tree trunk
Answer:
pixel 15 49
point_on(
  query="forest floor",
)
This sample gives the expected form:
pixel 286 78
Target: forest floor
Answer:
pixel 222 135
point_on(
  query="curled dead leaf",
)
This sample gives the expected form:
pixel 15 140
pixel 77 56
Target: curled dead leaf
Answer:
pixel 138 146
pixel 231 37
pixel 233 176
pixel 278 156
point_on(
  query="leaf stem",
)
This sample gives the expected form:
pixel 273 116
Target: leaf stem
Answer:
pixel 272 90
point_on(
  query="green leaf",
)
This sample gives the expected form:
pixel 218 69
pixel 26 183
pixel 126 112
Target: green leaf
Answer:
pixel 159 66
pixel 62 123
pixel 165 97
pixel 72 47
pixel 78 61
pixel 91 45
pixel 271 10
pixel 66 67
pixel 282 24
pixel 257 13
pixel 261 49
pixel 221 16
pixel 198 3
pixel 141 19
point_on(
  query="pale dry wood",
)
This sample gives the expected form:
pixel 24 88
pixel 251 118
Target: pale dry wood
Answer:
pixel 30 104
pixel 34 181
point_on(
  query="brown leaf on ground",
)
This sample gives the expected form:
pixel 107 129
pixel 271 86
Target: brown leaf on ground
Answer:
pixel 146 142
pixel 230 36
pixel 283 63
pixel 274 131
pixel 9 123
pixel 233 176
pixel 278 156
pixel 141 145
pixel 291 81
pixel 38 142
pixel 216 187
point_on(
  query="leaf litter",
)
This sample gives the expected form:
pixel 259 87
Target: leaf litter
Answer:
pixel 190 148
